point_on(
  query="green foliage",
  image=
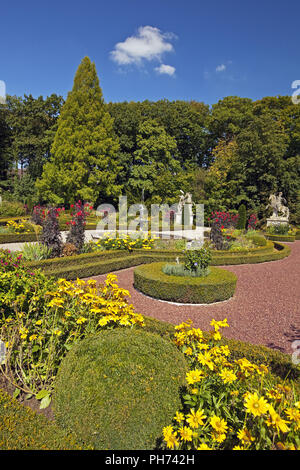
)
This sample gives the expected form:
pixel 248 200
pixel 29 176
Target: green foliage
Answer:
pixel 197 259
pixel 218 285
pixel 179 269
pixel 113 392
pixel 83 164
pixel 241 223
pixel 280 229
pixel 12 209
pixel 35 252
pixel 23 429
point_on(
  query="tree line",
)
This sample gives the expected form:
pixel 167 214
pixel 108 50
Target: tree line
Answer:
pixel 235 152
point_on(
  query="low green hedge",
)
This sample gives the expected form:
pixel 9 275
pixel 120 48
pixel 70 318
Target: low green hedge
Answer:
pixel 93 264
pixel 280 238
pixel 279 363
pixel 297 236
pixel 75 271
pixel 217 286
pixel 116 391
pixel 23 429
pixel 17 237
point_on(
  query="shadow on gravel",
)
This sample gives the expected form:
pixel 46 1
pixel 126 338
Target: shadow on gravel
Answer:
pixel 291 336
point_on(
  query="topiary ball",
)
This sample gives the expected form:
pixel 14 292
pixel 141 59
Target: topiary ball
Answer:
pixel 119 389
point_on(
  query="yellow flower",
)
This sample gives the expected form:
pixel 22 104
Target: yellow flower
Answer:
pixel 245 436
pixel 39 322
pixel 32 337
pixel 276 421
pixel 186 433
pixel 204 446
pixel 294 415
pixel 81 320
pixel 195 419
pixel 103 321
pixel 255 405
pixel 227 376
pixel 205 360
pixel 218 424
pixel 57 332
pixel 194 376
pixel 219 437
pixel 179 417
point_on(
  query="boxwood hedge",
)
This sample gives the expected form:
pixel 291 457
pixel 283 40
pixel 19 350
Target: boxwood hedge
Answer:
pixel 92 264
pixel 117 390
pixel 23 429
pixel 217 286
pixel 281 238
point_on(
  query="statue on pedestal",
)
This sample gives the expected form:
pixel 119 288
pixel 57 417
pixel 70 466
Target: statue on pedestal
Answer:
pixel 280 211
pixel 276 203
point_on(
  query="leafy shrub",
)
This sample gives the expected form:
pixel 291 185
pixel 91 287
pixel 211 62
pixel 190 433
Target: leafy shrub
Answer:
pixel 76 234
pixel 278 229
pixel 69 249
pixel 51 236
pixel 257 240
pixel 38 215
pixel 35 252
pixel 219 222
pixel 252 222
pixel 117 390
pixel 242 219
pixel 230 403
pixel 197 259
pixel 12 209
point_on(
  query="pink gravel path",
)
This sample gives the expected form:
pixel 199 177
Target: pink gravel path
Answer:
pixel 264 310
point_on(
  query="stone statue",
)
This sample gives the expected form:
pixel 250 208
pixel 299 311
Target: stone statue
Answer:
pixel 184 199
pixel 276 203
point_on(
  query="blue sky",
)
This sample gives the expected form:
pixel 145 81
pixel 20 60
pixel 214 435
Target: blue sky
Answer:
pixel 155 49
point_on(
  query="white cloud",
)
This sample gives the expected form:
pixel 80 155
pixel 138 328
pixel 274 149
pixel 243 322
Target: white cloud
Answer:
pixel 221 68
pixel 165 69
pixel 149 44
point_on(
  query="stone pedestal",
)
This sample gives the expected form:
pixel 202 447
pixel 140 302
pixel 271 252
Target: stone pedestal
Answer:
pixel 178 218
pixel 277 221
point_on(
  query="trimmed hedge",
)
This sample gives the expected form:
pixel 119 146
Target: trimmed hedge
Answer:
pixel 280 238
pixel 119 389
pixel 93 264
pixel 279 363
pixel 23 429
pixel 297 236
pixel 217 286
pixel 17 237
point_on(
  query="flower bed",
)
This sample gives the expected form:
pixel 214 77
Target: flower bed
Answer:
pixel 218 285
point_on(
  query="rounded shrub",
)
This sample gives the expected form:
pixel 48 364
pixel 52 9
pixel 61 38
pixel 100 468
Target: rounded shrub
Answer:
pixel 119 389
pixel 218 285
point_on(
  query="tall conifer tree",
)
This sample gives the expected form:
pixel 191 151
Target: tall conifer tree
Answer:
pixel 83 163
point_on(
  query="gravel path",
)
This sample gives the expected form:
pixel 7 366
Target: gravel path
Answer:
pixel 264 310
